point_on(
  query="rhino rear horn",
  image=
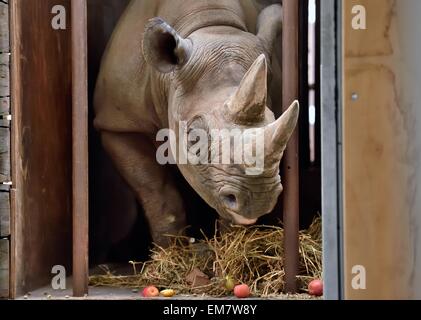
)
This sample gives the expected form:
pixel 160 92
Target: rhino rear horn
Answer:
pixel 249 101
pixel 163 47
pixel 278 133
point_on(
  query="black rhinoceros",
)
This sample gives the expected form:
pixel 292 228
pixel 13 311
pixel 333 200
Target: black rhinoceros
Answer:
pixel 203 63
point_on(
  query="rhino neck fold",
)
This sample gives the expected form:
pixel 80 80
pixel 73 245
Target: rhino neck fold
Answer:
pixel 203 17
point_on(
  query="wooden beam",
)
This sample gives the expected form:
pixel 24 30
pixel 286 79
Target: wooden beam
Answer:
pixel 80 147
pixel 290 91
pixel 16 268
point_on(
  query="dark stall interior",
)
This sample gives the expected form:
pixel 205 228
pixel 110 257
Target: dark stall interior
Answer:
pixel 118 230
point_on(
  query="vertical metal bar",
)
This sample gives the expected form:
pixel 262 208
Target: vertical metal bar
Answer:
pixel 330 148
pixel 339 134
pixel 290 92
pixel 80 147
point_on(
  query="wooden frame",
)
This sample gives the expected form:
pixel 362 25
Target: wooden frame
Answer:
pixel 53 110
pixel 290 88
pixel 49 151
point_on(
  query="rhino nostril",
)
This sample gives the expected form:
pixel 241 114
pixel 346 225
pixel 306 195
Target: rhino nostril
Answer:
pixel 230 201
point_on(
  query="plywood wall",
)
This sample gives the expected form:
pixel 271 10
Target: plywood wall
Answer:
pixel 381 137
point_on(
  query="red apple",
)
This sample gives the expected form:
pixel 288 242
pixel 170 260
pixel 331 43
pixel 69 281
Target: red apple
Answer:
pixel 315 287
pixel 150 291
pixel 242 291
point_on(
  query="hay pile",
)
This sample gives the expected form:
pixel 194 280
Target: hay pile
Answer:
pixel 252 255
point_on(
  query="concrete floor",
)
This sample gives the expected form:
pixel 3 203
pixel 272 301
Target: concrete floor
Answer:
pixel 110 293
pixel 107 293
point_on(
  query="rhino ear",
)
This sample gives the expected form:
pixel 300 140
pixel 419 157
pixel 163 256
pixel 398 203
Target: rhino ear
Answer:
pixel 269 26
pixel 163 47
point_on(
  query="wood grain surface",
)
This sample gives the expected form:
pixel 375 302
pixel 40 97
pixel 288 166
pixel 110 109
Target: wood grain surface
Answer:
pixel 381 160
pixel 41 144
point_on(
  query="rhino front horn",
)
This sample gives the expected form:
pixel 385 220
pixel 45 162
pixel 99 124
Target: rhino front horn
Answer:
pixel 249 101
pixel 278 133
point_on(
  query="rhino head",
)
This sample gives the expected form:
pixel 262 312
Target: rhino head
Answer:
pixel 216 80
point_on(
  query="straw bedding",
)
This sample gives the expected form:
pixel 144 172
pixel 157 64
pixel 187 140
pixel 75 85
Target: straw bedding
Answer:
pixel 252 255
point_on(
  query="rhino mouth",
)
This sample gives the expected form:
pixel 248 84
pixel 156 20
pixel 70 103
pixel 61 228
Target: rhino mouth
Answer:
pixel 237 219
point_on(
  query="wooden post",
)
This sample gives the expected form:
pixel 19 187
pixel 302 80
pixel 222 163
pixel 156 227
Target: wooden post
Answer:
pixel 290 88
pixel 80 147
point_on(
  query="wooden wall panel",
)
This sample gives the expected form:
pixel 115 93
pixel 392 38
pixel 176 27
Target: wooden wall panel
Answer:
pixel 4 213
pixel 41 143
pixel 4 112
pixel 375 40
pixel 381 220
pixel 4 27
pixel 4 109
pixel 4 268
pixel 4 106
pixel 4 150
pixel 4 75
pixel 4 154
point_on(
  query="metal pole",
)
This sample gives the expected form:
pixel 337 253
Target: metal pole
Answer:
pixel 290 92
pixel 80 147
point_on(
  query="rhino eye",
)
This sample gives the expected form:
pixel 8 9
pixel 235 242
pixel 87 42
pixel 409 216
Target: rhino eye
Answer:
pixel 198 137
pixel 190 133
pixel 197 125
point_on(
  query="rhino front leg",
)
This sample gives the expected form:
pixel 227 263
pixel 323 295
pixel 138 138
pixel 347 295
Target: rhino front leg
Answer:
pixel 134 157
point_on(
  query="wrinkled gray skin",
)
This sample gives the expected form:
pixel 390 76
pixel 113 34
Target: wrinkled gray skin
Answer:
pixel 203 62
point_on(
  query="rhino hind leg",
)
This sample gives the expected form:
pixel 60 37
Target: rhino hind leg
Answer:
pixel 134 157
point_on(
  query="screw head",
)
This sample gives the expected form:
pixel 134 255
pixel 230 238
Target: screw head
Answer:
pixel 354 96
